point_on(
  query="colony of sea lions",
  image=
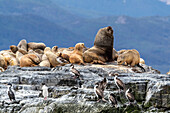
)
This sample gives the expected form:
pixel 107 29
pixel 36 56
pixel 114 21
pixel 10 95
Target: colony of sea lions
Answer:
pixel 37 54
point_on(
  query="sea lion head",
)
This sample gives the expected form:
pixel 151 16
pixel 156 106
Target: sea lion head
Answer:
pixel 79 46
pixel 120 60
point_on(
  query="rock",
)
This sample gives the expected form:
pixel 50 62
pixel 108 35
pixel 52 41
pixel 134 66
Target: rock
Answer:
pixel 151 90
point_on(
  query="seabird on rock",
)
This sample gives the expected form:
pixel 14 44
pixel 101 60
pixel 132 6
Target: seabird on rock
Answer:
pixel 129 95
pixel 102 84
pixel 119 84
pixel 45 91
pixel 10 92
pixel 74 71
pixel 112 100
pixel 99 93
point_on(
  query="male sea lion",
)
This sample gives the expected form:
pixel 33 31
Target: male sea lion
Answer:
pixel 102 51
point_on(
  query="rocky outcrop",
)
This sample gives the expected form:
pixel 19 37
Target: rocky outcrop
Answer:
pixel 151 89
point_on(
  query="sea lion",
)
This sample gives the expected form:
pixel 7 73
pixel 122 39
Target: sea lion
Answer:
pixel 66 52
pixel 52 57
pixel 142 61
pixel 34 45
pixel 115 54
pixel 14 48
pixel 3 63
pixel 55 49
pixel 102 51
pixel 22 45
pixel 131 57
pixel 10 59
pixel 29 60
pixel 45 62
pixel 76 56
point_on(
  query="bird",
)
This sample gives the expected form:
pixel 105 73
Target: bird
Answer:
pixel 61 60
pixel 11 94
pixel 113 100
pixel 45 91
pixel 119 84
pixel 74 71
pixel 102 84
pixel 130 96
pixel 99 93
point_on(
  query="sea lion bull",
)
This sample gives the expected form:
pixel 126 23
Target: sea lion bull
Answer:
pixel 102 51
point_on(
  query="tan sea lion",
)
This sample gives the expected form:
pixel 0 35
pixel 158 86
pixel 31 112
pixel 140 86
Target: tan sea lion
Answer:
pixel 29 60
pixel 3 63
pixel 76 56
pixel 45 62
pixel 102 51
pixel 131 57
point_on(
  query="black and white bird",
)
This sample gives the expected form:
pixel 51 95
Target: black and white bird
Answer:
pixel 130 96
pixel 10 92
pixel 74 71
pixel 119 84
pixel 44 91
pixel 99 93
pixel 61 60
pixel 113 100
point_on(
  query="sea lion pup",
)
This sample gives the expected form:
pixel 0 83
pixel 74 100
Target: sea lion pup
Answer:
pixel 102 50
pixel 3 63
pixel 34 45
pixel 76 56
pixel 131 57
pixel 29 60
pixel 14 48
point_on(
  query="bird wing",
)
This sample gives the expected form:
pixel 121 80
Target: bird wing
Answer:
pixel 11 95
pixel 130 97
pixel 75 71
pixel 120 84
pixel 99 92
pixel 113 100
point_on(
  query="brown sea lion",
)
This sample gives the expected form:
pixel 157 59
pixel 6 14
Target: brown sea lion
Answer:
pixel 102 51
pixel 14 48
pixel 34 45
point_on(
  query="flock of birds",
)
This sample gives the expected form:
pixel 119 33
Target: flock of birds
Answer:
pixel 98 89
